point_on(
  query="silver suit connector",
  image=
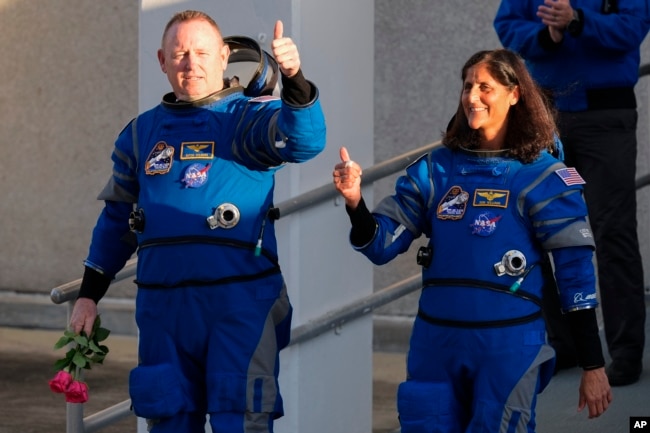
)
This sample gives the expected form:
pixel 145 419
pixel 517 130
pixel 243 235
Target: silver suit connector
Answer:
pixel 226 216
pixel 512 263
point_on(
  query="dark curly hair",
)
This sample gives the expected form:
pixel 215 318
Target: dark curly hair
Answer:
pixel 531 122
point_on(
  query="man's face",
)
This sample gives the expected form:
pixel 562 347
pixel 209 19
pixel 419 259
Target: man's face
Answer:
pixel 194 57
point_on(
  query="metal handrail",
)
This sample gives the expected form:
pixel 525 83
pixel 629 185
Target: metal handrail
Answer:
pixel 644 70
pixel 336 318
pixel 643 181
pixel 106 417
pixel 69 291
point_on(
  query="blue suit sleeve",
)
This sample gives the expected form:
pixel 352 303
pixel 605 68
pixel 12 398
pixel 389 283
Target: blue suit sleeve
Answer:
pixel 602 32
pixel 575 276
pixel 391 239
pixel 112 242
pixel 518 28
pixel 402 217
pixel 272 132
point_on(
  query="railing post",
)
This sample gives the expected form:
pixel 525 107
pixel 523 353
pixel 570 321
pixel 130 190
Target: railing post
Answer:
pixel 75 418
pixel 74 411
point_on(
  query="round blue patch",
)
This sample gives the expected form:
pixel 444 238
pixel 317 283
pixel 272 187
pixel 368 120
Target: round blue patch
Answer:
pixel 195 175
pixel 485 224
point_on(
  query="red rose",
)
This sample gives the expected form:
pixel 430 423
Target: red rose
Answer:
pixel 77 392
pixel 61 382
pixel 86 351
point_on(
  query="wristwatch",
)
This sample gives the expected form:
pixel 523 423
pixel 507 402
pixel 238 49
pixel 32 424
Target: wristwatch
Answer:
pixel 575 25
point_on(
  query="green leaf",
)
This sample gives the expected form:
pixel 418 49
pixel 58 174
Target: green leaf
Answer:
pixel 96 324
pixel 99 359
pixel 63 341
pixel 79 360
pixel 60 364
pixel 81 340
pixel 87 350
pixel 101 334
pixel 94 347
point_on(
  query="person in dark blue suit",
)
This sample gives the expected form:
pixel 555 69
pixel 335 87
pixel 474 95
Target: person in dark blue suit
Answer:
pixel 586 54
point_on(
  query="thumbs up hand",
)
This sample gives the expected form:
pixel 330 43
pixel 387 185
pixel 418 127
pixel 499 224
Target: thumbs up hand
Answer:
pixel 347 179
pixel 285 52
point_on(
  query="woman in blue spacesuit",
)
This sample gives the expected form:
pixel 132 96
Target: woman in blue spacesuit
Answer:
pixel 493 202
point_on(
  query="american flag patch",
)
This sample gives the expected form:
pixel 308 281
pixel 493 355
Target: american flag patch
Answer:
pixel 570 176
pixel 265 98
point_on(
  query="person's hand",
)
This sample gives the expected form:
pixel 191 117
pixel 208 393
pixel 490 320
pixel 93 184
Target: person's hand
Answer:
pixel 595 392
pixel 285 52
pixel 83 316
pixel 556 14
pixel 347 179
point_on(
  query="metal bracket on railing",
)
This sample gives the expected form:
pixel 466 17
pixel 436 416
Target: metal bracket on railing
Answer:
pixel 335 319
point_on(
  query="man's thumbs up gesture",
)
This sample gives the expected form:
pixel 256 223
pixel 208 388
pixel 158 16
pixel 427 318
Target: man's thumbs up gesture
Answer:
pixel 285 52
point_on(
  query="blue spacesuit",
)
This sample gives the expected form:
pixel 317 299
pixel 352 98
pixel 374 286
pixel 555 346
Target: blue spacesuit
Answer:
pixel 194 181
pixel 478 354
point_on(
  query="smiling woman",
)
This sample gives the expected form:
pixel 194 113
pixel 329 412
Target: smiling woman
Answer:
pixel 507 108
pixel 493 202
pixel 486 103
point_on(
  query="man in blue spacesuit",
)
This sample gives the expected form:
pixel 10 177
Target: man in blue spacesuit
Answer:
pixel 492 202
pixel 193 179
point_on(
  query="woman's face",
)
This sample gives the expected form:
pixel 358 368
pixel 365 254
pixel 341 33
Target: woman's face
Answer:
pixel 486 103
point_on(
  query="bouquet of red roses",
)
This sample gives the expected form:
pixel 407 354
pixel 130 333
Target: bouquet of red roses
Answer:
pixel 87 351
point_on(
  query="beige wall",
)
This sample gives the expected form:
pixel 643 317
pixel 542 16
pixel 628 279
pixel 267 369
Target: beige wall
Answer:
pixel 70 84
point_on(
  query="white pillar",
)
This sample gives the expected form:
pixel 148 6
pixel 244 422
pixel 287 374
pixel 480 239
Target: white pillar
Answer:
pixel 326 383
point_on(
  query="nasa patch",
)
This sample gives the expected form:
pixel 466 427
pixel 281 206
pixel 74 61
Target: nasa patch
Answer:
pixel 195 175
pixel 485 224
